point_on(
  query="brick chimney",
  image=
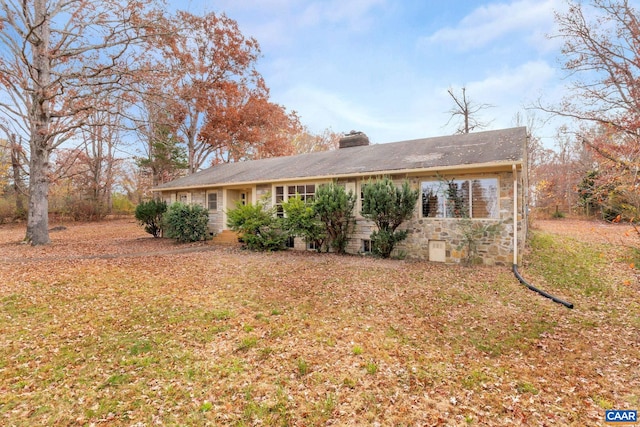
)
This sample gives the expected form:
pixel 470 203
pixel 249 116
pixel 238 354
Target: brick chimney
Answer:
pixel 354 139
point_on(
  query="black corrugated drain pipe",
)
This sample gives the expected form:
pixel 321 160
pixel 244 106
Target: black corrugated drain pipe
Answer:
pixel 514 171
pixel 541 292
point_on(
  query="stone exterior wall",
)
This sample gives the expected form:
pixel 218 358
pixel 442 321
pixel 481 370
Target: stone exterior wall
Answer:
pixel 493 248
pixel 199 198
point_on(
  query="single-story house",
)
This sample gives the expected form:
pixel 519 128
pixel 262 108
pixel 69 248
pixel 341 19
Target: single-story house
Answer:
pixel 473 179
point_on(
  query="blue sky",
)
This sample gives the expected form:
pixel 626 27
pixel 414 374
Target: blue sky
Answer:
pixel 384 66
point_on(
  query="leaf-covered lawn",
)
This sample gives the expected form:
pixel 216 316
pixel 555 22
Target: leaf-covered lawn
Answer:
pixel 220 336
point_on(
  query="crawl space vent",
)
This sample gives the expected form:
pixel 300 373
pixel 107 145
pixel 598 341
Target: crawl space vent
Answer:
pixel 437 251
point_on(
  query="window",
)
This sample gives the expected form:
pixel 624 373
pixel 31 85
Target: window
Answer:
pixel 279 200
pixel 366 246
pixel 362 187
pixel 212 201
pixel 305 191
pixel 184 199
pixel 474 198
pixel 291 242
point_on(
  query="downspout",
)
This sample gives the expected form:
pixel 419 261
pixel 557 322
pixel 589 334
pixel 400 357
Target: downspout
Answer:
pixel 515 246
pixel 514 172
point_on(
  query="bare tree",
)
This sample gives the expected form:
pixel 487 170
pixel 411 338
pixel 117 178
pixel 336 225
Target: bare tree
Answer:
pixel 101 140
pixel 467 110
pixel 601 56
pixel 601 59
pixel 17 161
pixel 5 164
pixel 56 56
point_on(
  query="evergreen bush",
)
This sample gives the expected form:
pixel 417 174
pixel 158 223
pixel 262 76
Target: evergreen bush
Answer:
pixel 301 220
pixel 333 206
pixel 149 214
pixel 260 230
pixel 186 223
pixel 388 206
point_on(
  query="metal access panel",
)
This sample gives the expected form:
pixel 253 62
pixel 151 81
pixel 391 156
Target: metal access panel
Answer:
pixel 437 251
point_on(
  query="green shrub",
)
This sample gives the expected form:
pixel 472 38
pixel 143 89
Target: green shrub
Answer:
pixel 301 220
pixel 334 208
pixel 388 206
pixel 149 214
pixel 383 241
pixel 260 230
pixel 186 223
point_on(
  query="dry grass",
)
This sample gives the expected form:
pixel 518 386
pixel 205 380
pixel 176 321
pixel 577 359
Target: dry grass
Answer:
pixel 221 336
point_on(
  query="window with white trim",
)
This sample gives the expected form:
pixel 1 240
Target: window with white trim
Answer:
pixel 212 201
pixel 305 191
pixel 279 201
pixel 461 198
pixel 363 185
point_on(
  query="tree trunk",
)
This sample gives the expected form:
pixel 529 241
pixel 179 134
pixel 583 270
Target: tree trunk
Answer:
pixel 192 132
pixel 38 215
pixel 18 188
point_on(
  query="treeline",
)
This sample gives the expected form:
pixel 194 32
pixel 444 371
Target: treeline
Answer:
pixel 127 96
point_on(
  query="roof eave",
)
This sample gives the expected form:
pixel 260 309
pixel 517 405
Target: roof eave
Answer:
pixel 507 164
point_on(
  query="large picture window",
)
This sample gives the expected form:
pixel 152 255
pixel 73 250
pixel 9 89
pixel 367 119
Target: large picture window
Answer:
pixel 460 198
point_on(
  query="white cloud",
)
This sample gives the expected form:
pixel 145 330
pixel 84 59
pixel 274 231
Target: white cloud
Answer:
pixel 350 12
pixel 325 108
pixel 490 22
pixel 515 83
pixel 282 21
pixel 348 16
pixel 321 109
pixel 248 5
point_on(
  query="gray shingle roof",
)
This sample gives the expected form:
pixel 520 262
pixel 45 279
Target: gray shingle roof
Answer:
pixel 490 147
